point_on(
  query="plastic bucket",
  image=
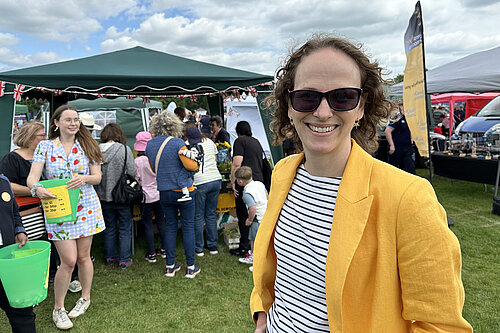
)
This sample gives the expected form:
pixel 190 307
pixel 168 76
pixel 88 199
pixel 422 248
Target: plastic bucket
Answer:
pixel 64 207
pixel 25 272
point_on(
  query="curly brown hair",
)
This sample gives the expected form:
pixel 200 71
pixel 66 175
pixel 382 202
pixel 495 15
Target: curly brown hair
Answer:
pixel 371 82
pixel 88 143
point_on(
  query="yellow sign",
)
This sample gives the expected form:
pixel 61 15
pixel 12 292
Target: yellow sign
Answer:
pixel 57 207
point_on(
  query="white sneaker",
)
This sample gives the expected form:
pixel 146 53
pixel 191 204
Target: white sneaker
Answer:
pixel 248 259
pixel 60 318
pixel 185 197
pixel 214 252
pixel 199 254
pixel 80 307
pixel 75 286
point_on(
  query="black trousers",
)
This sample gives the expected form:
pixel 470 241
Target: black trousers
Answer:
pixel 403 159
pixel 21 320
pixel 242 214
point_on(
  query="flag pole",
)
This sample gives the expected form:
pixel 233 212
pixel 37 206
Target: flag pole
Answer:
pixel 425 92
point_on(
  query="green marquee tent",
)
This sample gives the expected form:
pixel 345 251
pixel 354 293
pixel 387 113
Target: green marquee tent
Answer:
pixel 135 71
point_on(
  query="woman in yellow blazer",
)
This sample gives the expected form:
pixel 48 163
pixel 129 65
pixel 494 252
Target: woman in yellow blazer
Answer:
pixel 391 264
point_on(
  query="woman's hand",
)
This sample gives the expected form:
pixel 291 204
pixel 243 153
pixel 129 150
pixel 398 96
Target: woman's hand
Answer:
pixel 391 149
pixel 43 193
pixel 261 322
pixel 76 182
pixel 21 238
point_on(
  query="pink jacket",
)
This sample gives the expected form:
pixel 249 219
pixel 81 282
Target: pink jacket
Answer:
pixel 147 178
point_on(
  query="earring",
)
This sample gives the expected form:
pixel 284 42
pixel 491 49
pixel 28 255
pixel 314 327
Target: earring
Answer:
pixel 55 129
pixel 356 124
pixel 291 122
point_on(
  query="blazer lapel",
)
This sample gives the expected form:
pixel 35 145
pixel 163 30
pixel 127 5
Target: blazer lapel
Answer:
pixel 352 209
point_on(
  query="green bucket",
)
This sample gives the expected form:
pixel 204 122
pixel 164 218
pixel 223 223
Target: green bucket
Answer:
pixel 64 208
pixel 25 272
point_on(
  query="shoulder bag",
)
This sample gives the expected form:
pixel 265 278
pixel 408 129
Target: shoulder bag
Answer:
pixel 127 190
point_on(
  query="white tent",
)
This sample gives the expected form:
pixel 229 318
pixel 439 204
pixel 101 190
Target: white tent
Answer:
pixel 246 109
pixel 478 72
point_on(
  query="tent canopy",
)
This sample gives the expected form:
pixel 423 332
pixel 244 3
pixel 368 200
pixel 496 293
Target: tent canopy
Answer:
pixel 136 70
pixel 461 97
pixel 82 104
pixel 478 72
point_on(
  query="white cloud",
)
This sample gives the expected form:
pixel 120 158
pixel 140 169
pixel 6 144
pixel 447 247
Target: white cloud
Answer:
pixel 58 20
pixel 7 39
pixel 253 35
pixel 11 60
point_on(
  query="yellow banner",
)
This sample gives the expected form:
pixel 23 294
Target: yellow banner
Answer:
pixel 414 100
pixel 58 207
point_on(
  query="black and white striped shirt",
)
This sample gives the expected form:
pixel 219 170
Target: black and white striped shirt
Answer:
pixel 301 241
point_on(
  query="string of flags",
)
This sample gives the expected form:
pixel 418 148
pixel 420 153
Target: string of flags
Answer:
pixel 231 94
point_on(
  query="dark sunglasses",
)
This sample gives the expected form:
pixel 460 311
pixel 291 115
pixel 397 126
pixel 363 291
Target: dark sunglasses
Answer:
pixel 342 99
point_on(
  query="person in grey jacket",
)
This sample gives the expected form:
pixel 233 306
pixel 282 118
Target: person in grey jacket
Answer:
pixel 113 147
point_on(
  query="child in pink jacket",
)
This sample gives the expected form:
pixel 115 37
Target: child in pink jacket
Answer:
pixel 147 178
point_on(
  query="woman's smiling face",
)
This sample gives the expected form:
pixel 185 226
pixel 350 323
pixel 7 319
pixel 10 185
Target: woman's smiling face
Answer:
pixel 325 131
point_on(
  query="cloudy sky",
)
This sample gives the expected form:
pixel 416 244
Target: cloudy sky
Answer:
pixel 250 35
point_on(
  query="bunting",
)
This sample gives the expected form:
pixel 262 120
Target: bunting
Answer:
pixel 2 88
pixel 18 92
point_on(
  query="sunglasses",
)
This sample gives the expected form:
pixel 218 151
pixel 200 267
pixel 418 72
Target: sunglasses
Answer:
pixel 342 99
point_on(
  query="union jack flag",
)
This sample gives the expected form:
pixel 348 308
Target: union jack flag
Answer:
pixel 193 98
pixel 146 100
pixel 236 93
pixel 58 92
pixel 18 92
pixel 130 96
pixel 253 91
pixel 2 88
pixel 100 95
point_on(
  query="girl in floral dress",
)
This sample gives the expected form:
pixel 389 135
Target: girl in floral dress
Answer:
pixel 70 152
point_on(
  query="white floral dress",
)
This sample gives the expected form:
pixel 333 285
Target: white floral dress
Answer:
pixel 89 213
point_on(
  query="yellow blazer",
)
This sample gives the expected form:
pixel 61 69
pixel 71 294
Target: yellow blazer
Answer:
pixel 392 264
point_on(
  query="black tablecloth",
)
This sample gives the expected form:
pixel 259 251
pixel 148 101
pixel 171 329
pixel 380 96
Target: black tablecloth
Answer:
pixel 465 168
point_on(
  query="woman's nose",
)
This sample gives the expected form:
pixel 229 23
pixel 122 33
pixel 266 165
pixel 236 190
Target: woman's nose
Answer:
pixel 323 111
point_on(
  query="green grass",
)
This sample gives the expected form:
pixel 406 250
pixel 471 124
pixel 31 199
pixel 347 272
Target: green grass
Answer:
pixel 478 231
pixel 142 299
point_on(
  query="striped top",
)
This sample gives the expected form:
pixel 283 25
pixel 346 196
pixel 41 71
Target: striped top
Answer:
pixel 301 241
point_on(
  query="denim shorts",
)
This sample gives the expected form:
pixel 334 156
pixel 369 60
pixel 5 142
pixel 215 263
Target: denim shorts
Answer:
pixel 252 232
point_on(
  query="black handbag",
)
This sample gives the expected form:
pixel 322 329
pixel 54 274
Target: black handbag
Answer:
pixel 127 190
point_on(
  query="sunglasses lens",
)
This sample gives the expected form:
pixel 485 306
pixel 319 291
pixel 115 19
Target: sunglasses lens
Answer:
pixel 343 99
pixel 305 100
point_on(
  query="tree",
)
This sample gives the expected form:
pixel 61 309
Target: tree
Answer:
pixel 399 78
pixel 201 102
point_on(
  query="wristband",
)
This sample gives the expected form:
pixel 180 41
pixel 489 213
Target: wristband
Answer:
pixel 34 188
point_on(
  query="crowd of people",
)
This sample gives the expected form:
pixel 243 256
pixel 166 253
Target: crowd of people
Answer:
pixel 176 176
pixel 342 242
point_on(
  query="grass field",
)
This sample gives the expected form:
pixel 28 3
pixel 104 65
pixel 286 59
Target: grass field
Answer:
pixel 142 299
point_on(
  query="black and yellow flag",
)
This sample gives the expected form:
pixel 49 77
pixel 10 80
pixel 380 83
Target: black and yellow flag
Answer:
pixel 414 100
